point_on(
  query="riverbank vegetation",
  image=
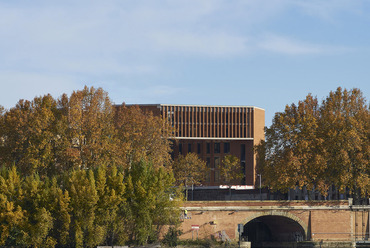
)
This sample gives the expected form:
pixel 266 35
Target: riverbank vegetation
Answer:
pixel 78 171
pixel 87 207
pixel 317 145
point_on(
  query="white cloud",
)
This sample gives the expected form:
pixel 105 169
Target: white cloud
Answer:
pixel 288 46
pixel 211 44
pixel 284 45
pixel 329 9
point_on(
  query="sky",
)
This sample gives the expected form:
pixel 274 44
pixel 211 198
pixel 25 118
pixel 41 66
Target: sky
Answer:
pixel 263 53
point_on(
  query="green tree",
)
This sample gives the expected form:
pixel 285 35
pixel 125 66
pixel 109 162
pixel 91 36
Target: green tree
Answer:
pixel 82 190
pixel 317 146
pixel 109 214
pixel 57 202
pixel 39 220
pixel 12 217
pixel 152 202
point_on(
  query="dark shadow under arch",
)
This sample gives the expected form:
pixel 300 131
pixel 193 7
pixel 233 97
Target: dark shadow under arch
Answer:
pixel 264 228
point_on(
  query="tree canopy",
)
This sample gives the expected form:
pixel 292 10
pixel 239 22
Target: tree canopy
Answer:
pixel 317 145
pixel 86 208
pixel 78 171
pixel 189 169
pixel 231 171
pixel 83 130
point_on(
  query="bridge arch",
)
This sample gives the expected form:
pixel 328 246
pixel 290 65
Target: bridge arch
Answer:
pixel 274 226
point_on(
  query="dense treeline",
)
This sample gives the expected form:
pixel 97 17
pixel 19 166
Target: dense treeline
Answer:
pixel 317 146
pixel 85 130
pixel 86 208
pixel 78 171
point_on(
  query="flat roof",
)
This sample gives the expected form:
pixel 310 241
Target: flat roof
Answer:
pixel 196 105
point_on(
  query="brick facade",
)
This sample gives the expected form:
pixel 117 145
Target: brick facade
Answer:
pixel 213 132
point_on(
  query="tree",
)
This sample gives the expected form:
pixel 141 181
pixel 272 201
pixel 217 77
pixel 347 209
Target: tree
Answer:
pixel 88 136
pixel 189 169
pixel 12 217
pixel 152 202
pixel 317 146
pixel 49 136
pixel 27 133
pixel 231 171
pixel 143 136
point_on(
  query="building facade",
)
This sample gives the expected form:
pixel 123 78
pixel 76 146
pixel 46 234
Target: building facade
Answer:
pixel 213 132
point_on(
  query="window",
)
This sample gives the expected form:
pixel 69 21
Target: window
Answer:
pixel 208 162
pixel 217 162
pixel 180 148
pixel 226 147
pixel 208 148
pixel 242 152
pixel 189 147
pixel 217 147
pixel 199 148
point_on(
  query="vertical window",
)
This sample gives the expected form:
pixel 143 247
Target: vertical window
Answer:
pixel 226 147
pixel 208 162
pixel 242 152
pixel 217 162
pixel 199 148
pixel 180 148
pixel 208 148
pixel 217 147
pixel 189 147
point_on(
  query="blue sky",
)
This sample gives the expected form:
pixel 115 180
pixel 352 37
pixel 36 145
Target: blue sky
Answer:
pixel 264 53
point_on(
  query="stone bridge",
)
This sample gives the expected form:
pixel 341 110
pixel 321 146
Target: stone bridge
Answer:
pixel 277 221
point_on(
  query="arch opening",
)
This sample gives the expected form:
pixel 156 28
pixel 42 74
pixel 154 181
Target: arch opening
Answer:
pixel 266 229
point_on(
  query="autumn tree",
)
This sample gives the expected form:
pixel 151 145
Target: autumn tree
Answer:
pixel 317 146
pixel 49 136
pixel 189 169
pixel 231 170
pixel 88 136
pixel 143 136
pixel 28 133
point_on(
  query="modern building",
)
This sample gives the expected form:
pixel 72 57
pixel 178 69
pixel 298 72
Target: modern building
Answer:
pixel 213 132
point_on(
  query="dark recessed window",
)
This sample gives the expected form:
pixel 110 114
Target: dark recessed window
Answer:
pixel 199 148
pixel 242 152
pixel 180 148
pixel 217 148
pixel 226 147
pixel 208 148
pixel 189 147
